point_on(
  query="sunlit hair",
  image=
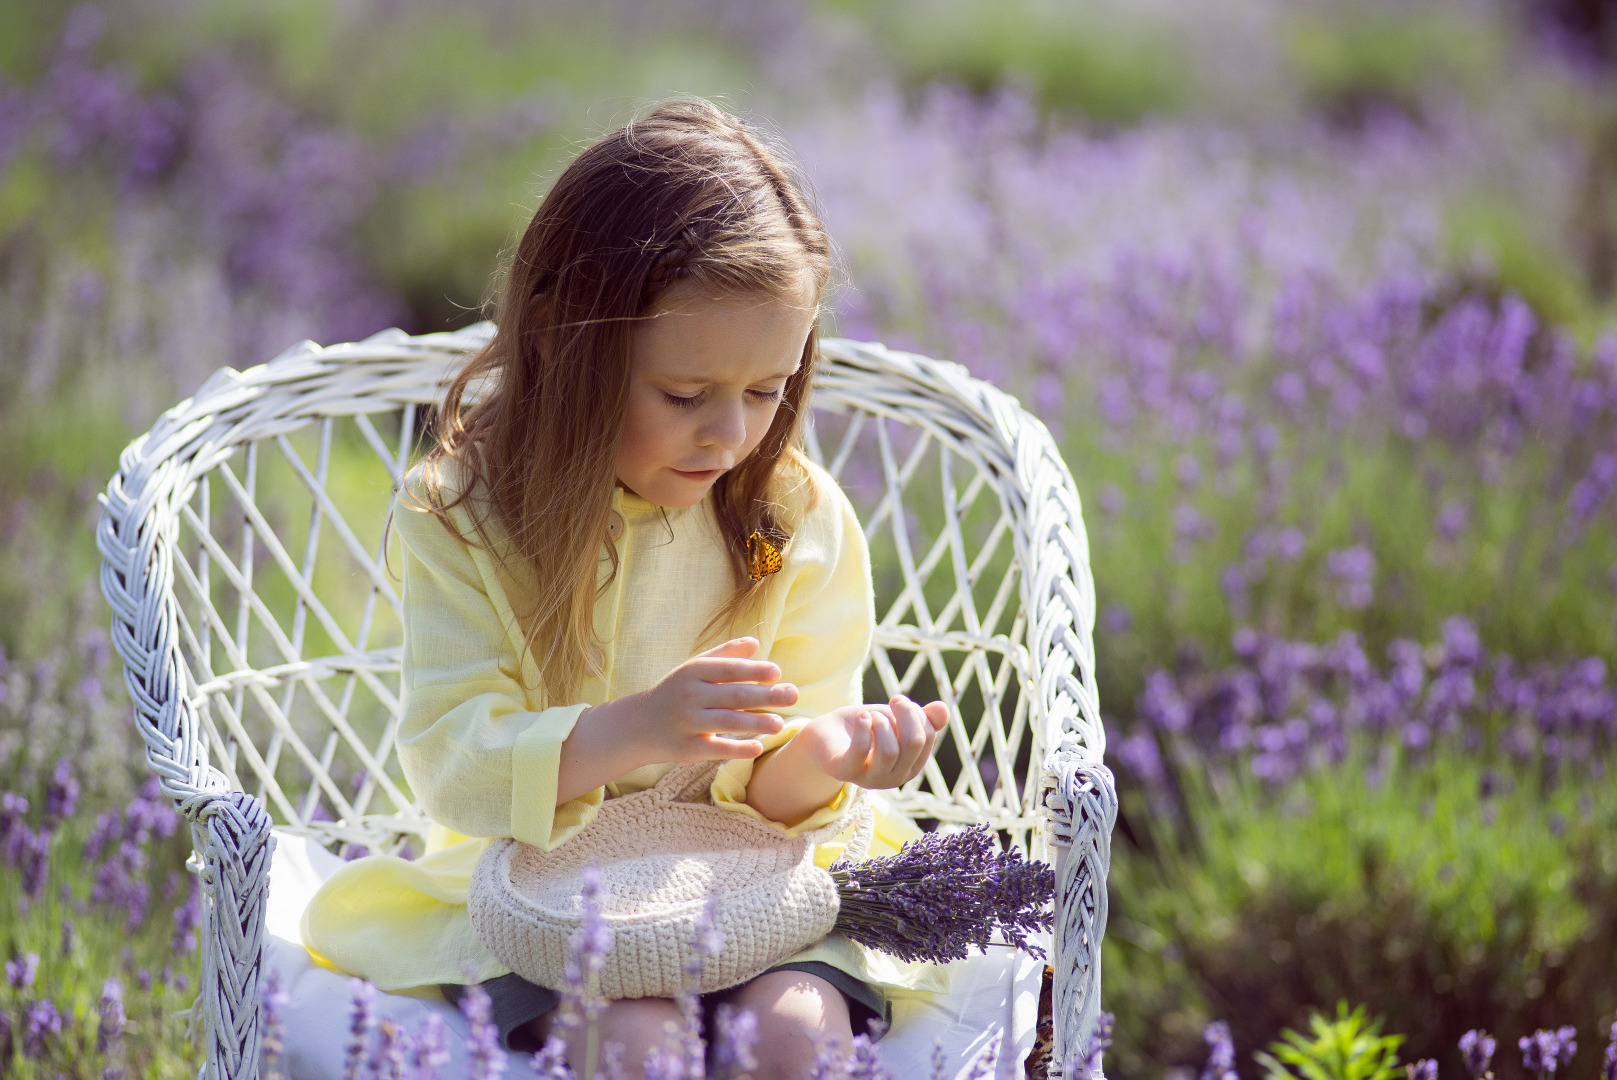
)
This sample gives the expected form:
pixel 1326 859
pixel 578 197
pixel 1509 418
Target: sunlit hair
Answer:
pixel 689 195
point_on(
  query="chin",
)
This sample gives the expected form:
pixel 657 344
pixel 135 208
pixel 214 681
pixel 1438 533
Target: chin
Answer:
pixel 677 496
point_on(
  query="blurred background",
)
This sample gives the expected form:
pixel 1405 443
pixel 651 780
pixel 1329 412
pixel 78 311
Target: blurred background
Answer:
pixel 1317 296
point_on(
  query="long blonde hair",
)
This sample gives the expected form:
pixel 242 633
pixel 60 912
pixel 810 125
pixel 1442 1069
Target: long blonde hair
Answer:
pixel 689 194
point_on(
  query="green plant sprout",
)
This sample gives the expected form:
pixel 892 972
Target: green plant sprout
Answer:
pixel 1346 1048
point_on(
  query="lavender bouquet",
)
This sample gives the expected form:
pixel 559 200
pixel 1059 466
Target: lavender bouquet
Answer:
pixel 943 894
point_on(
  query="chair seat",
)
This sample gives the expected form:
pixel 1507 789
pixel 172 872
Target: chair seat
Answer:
pixel 993 995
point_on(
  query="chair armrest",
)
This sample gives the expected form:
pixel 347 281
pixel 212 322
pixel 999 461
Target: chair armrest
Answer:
pixel 232 832
pixel 1080 798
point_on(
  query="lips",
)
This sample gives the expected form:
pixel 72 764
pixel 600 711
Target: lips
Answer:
pixel 699 474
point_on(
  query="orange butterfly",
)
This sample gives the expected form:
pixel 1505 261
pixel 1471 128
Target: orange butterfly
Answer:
pixel 763 556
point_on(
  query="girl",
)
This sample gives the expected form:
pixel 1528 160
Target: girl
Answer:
pixel 578 547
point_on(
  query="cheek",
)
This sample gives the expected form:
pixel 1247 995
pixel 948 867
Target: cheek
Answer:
pixel 759 423
pixel 638 428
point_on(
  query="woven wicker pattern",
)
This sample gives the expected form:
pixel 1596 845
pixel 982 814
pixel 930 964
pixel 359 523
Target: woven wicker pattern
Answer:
pixel 245 564
pixel 661 855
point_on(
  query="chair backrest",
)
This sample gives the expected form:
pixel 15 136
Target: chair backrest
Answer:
pixel 258 615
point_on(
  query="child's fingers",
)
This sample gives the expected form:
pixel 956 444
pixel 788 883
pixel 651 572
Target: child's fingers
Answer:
pixel 741 646
pixel 915 734
pixel 861 738
pixel 745 695
pixel 884 758
pixel 720 669
pixel 740 724
pixel 725 748
pixel 938 713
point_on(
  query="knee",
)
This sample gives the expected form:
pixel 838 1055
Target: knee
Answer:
pixel 799 1017
pixel 788 1048
pixel 638 1025
pixel 633 1026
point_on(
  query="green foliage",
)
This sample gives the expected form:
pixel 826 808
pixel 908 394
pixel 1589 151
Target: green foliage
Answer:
pixel 1346 1048
pixel 1361 55
pixel 1450 893
pixel 158 984
pixel 1110 67
pixel 1512 256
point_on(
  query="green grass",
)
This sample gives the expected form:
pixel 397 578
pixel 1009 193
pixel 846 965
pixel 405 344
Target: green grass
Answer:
pixel 1435 906
pixel 156 1044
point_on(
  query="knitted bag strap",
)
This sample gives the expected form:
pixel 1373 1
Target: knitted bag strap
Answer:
pixel 690 782
pixel 687 782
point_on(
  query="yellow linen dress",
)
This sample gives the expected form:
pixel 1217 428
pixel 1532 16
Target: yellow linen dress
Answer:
pixel 480 744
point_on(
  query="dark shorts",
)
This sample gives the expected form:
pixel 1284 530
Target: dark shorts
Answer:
pixel 516 1002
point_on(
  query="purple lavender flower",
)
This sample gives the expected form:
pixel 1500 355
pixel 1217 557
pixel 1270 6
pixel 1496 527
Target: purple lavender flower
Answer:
pixel 390 1056
pixel 35 860
pixel 483 1040
pixel 13 808
pixel 1290 544
pixel 1100 1041
pixel 581 1006
pixel 1117 619
pixel 1453 519
pixel 20 972
pixel 1544 1051
pixel 1161 704
pixel 1113 502
pixel 1354 569
pixel 690 1055
pixel 1608 1067
pixel 62 793
pixel 187 917
pixel 111 1020
pixel 275 1000
pixel 987 1059
pixel 150 814
pixel 120 882
pixel 1220 1052
pixel 1424 1069
pixel 735 1034
pixel 943 894
pixel 361 1022
pixel 40 1022
pixel 550 1063
pixel 106 829
pixel 1139 754
pixel 69 937
pixel 431 1051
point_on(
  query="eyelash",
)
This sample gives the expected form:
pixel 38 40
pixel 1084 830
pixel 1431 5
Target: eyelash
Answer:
pixel 692 402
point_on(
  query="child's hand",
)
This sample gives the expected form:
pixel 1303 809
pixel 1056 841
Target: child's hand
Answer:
pixel 695 712
pixel 874 746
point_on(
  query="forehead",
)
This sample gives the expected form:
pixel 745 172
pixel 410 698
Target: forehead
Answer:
pixel 722 338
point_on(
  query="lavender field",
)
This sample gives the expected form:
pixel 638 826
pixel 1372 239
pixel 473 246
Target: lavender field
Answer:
pixel 1317 296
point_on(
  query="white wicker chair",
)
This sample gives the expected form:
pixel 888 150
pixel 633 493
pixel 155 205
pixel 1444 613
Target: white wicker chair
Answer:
pixel 265 673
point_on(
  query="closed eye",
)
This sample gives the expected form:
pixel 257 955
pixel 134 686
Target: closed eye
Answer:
pixel 693 401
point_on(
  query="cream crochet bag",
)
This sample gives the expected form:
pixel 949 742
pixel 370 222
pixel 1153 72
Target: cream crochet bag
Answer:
pixel 660 854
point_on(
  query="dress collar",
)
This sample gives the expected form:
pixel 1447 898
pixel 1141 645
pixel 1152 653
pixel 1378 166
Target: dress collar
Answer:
pixel 634 508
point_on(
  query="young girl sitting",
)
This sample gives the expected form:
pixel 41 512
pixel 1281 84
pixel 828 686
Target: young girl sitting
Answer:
pixel 619 560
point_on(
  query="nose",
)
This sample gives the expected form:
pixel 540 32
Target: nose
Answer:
pixel 725 427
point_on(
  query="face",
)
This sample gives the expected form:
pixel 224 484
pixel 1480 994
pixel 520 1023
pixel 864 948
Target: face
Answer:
pixel 706 377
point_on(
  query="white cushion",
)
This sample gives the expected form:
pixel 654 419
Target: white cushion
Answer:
pixel 991 995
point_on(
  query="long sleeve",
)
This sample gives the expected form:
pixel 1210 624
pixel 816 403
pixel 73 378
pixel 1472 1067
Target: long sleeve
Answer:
pixel 824 618
pixel 479 746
